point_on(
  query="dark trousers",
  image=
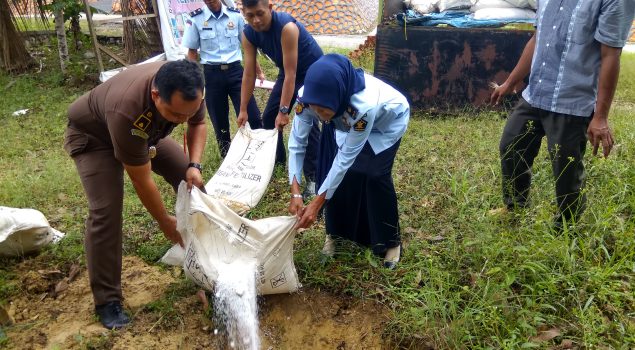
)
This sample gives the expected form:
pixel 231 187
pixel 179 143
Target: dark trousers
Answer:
pixel 101 175
pixel 220 83
pixel 269 122
pixel 364 208
pixel 566 142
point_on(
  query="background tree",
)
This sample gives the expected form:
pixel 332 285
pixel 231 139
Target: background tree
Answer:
pixel 14 57
pixel 57 7
pixel 141 36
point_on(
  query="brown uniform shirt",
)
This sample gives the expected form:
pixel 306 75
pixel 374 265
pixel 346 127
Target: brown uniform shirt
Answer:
pixel 121 115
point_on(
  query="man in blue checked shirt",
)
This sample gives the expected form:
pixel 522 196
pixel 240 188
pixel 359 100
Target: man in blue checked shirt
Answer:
pixel 217 31
pixel 573 62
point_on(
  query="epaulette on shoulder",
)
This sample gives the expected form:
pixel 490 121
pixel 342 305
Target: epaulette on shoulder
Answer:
pixel 233 9
pixel 196 12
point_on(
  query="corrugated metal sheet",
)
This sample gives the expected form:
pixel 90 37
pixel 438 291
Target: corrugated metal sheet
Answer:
pixel 446 68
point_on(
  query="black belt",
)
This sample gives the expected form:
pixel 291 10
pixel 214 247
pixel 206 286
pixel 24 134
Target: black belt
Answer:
pixel 221 66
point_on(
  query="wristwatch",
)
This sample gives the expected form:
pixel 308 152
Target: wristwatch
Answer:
pixel 196 165
pixel 284 109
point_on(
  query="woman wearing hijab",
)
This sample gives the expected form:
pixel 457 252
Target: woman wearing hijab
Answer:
pixel 369 118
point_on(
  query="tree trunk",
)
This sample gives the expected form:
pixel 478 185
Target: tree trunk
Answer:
pixel 141 37
pixel 14 56
pixel 60 31
pixel 77 31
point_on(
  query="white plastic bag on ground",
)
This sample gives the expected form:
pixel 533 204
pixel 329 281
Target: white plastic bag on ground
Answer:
pixel 24 231
pixel 215 236
pixel 505 14
pixel 242 178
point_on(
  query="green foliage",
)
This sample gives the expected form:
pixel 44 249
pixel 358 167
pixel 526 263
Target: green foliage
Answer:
pixel 4 341
pixel 467 279
pixel 70 8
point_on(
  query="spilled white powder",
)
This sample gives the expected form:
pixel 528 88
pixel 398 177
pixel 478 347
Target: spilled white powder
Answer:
pixel 235 304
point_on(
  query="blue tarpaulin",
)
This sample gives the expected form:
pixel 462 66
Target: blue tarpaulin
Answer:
pixel 459 19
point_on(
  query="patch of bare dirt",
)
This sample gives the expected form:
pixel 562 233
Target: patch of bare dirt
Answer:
pixel 57 313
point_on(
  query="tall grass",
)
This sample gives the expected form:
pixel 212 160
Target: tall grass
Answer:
pixel 466 280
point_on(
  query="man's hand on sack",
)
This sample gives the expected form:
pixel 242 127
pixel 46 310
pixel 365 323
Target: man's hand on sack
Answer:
pixel 169 230
pixel 281 121
pixel 242 119
pixel 193 177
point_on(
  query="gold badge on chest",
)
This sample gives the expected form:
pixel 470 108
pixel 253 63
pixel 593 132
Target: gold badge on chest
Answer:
pixel 231 25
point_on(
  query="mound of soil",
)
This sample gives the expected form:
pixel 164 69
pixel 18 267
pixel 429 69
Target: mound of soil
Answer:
pixel 58 314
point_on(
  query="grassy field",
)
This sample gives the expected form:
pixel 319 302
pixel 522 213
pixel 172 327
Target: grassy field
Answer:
pixel 466 280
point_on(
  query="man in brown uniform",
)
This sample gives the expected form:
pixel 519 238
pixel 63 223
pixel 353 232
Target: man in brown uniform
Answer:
pixel 123 124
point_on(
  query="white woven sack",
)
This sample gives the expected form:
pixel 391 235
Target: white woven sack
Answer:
pixel 445 5
pixel 242 178
pixel 214 235
pixel 523 3
pixel 24 231
pixel 422 6
pixel 505 14
pixel 488 4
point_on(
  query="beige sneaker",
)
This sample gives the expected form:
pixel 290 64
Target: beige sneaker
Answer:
pixel 392 257
pixel 502 211
pixel 329 246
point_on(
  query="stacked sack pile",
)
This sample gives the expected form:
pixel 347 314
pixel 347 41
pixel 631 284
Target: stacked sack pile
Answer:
pixel 480 9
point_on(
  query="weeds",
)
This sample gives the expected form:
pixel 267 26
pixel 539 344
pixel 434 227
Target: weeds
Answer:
pixel 466 279
pixel 164 311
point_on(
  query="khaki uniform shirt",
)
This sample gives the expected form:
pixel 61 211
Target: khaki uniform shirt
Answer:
pixel 121 115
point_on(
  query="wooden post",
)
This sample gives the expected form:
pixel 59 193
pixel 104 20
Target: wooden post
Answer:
pixel 155 9
pixel 93 35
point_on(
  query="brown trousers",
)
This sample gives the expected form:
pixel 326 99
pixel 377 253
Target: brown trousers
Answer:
pixel 101 175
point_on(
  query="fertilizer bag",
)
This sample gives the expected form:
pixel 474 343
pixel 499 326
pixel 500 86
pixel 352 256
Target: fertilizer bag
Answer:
pixel 215 236
pixel 24 231
pixel 242 178
pixel 447 5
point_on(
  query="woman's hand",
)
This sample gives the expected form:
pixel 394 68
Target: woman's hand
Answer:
pixel 296 207
pixel 310 213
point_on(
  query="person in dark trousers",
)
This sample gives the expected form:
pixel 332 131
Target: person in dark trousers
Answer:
pixel 216 30
pixel 120 125
pixel 369 118
pixel 293 50
pixel 573 63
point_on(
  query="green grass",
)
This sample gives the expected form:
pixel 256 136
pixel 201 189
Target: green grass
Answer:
pixel 467 280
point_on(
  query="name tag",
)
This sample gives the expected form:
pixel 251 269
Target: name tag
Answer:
pixel 137 132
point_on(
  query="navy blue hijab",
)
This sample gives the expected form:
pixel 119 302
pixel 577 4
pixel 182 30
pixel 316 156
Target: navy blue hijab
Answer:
pixel 331 81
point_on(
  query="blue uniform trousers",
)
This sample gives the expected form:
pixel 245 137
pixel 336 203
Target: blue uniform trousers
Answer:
pixel 269 122
pixel 222 81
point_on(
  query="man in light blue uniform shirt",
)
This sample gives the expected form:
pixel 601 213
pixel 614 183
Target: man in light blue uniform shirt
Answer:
pixel 369 118
pixel 217 31
pixel 573 63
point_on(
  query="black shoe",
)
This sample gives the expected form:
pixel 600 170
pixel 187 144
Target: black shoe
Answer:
pixel 111 315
